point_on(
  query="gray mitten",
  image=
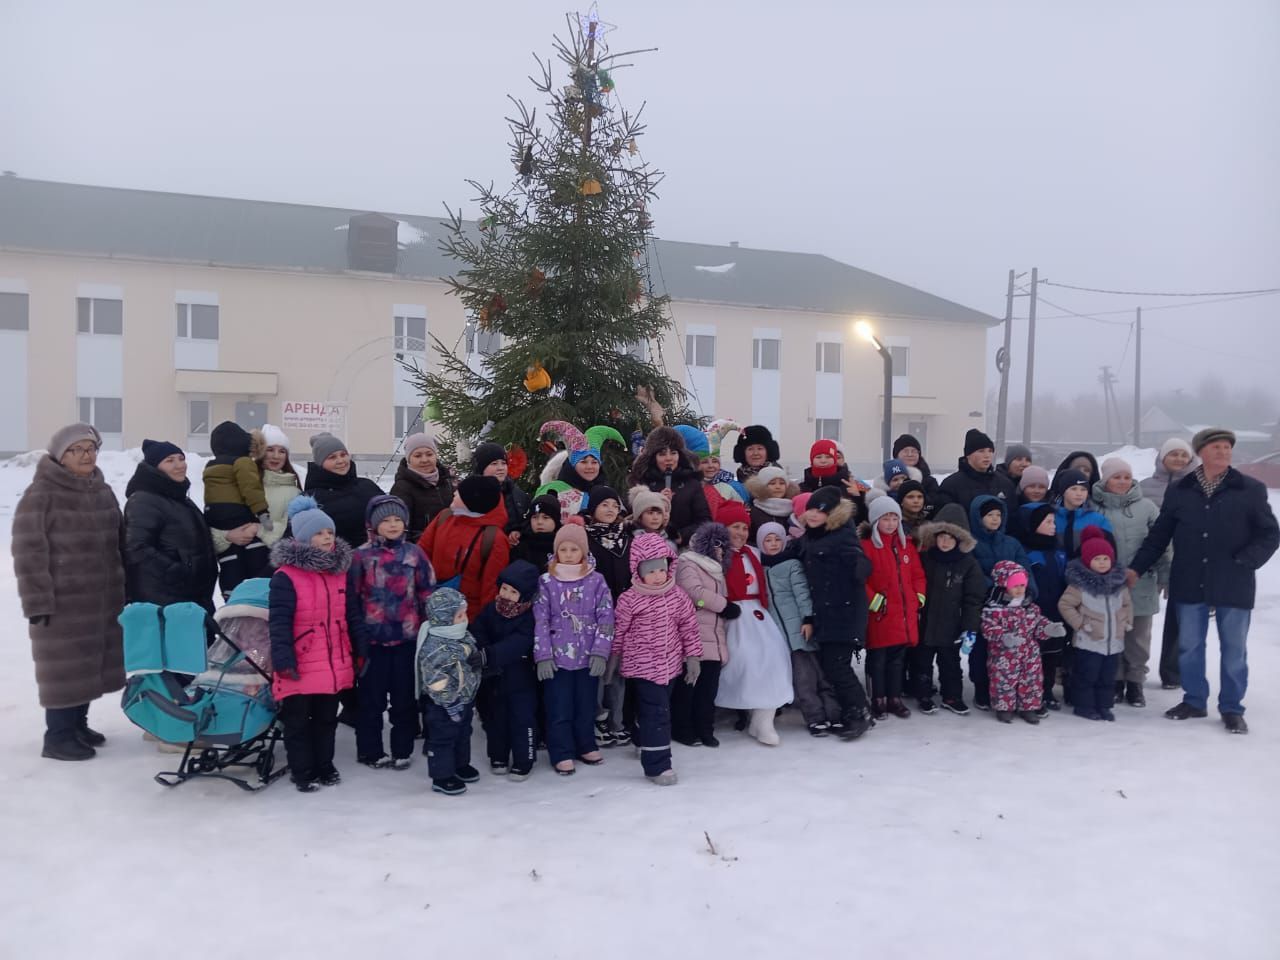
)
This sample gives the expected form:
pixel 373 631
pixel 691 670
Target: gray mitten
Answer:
pixel 1055 630
pixel 1010 640
pixel 692 670
pixel 598 663
pixel 546 669
pixel 264 520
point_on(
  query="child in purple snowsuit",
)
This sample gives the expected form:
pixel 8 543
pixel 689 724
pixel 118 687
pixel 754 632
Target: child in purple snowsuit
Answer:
pixel 572 638
pixel 1015 628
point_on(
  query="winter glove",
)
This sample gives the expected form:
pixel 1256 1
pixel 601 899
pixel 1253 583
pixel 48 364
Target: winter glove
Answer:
pixel 546 669
pixel 287 673
pixel 920 598
pixel 39 621
pixel 731 611
pixel 692 670
pixel 598 665
pixel 264 520
pixel 1010 641
pixel 477 659
pixel 966 641
pixel 1055 630
pixel 877 603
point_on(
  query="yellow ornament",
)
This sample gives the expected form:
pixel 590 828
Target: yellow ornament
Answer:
pixel 590 187
pixel 536 378
pixel 632 148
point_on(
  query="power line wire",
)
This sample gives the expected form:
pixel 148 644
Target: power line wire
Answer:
pixel 1083 316
pixel 1164 306
pixel 1148 293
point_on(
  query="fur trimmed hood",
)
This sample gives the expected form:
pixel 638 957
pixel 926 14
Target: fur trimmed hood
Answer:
pixel 707 538
pixel 661 438
pixel 950 519
pixel 841 516
pixel 294 553
pixel 1107 584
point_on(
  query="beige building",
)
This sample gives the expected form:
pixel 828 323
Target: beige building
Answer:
pixel 160 315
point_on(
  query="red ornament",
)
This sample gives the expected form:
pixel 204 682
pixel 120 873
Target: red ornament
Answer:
pixel 517 460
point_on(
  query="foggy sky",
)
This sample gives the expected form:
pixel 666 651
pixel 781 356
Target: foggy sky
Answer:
pixel 1131 145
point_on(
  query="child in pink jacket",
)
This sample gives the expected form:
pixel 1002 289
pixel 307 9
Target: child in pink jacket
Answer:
pixel 655 639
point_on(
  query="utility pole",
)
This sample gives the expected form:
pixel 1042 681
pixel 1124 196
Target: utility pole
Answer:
pixel 1137 379
pixel 1002 364
pixel 1107 378
pixel 1031 360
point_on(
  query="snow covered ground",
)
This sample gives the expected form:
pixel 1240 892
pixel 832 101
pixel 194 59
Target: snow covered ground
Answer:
pixel 933 836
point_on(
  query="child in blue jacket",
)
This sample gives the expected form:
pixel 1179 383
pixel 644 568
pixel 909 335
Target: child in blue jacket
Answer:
pixel 1076 512
pixel 1038 533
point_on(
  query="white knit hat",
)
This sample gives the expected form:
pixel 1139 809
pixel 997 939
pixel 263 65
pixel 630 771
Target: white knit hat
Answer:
pixel 273 436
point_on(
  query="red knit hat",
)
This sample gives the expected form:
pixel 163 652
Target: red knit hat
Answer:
pixel 821 447
pixel 731 512
pixel 1094 543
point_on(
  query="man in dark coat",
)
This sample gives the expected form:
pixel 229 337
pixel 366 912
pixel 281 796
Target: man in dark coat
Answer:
pixel 975 474
pixel 67 532
pixel 1222 530
pixel 168 551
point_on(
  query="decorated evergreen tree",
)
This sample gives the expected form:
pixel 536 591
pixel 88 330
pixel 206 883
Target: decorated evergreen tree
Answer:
pixel 558 265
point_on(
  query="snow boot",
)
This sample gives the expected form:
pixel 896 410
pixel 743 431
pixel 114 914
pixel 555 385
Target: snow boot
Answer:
pixel 306 786
pixel 1234 722
pixel 67 747
pixel 620 737
pixel 376 763
pixel 879 708
pixel 898 708
pixel 1051 702
pixel 467 773
pixel 958 707
pixel 449 786
pixel 762 727
pixel 1004 716
pixel 854 725
pixel 518 776
pixel 88 736
pixel 667 778
pixel 819 729
pixel 1133 695
pixel 1185 711
pixel 401 763
pixel 330 778
pixel 709 741
pixel 1107 714
pixel 1119 691
pixel 1029 716
pixel 926 706
pixel 498 768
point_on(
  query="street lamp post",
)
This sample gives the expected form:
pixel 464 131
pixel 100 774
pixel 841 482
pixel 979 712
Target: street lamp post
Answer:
pixel 865 331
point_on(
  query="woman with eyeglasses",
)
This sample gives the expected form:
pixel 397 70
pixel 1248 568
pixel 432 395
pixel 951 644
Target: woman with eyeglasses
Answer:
pixel 67 536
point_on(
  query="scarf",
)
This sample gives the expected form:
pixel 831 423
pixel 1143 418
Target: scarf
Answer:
pixel 450 631
pixel 1210 487
pixel 824 472
pixel 510 609
pixel 645 590
pixel 773 506
pixel 611 536
pixel 568 572
pixel 432 478
pixel 739 578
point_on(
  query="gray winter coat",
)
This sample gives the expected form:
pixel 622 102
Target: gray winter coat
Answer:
pixel 1132 516
pixel 67 538
pixel 789 602
pixel 1154 486
pixel 1098 608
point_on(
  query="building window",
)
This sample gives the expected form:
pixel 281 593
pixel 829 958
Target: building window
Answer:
pixel 101 317
pixel 105 413
pixel 901 361
pixel 636 351
pixel 700 350
pixel 486 342
pixel 826 430
pixel 828 360
pixel 14 311
pixel 766 354
pixel 197 418
pixel 197 321
pixel 408 420
pixel 411 334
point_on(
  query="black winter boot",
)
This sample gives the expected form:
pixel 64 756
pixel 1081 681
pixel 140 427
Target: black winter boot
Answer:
pixel 67 747
pixel 1004 716
pixel 1120 691
pixel 1133 695
pixel 879 708
pixel 854 725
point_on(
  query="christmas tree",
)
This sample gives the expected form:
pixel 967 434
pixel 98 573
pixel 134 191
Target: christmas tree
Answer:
pixel 558 266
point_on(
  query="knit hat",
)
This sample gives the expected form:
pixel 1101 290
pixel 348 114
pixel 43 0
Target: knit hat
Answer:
pixel 1016 451
pixel 69 436
pixel 823 447
pixel 1036 512
pixel 1070 478
pixel 1211 435
pixel 273 436
pixel 643 499
pixel 695 441
pixel 522 575
pixel 480 494
pixel 443 606
pixel 800 503
pixel 732 512
pixel 990 505
pixel 229 439
pixel 1113 465
pixel 598 495
pixel 894 468
pixel 307 519
pixel 1016 579
pixel 908 486
pixel 325 445
pixel 1094 543
pixel 1003 570
pixel 766 529
pixel 769 474
pixel 975 440
pixel 572 533
pixel 548 505
pixel 155 451
pixel 486 453
pixel 380 508
pixel 824 499
pixel 1172 444
pixel 904 441
pixel 418 441
pixel 1033 474
pixel 881 506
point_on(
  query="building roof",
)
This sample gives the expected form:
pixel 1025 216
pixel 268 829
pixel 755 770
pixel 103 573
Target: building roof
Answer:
pixel 45 216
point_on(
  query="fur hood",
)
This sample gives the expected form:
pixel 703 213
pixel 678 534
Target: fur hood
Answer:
pixel 841 515
pixel 706 538
pixel 1107 584
pixel 661 438
pixel 928 535
pixel 293 553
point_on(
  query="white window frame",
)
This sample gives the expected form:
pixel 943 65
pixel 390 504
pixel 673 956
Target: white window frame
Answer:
pixel 406 418
pixel 696 348
pixel 827 428
pixel 92 318
pixel 185 316
pixel 822 357
pixel 87 412
pixel 758 350
pixel 208 416
pixel 403 338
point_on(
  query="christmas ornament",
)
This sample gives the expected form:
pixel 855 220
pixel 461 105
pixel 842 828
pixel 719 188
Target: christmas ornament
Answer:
pixel 604 80
pixel 432 411
pixel 488 223
pixel 631 147
pixel 517 460
pixel 590 187
pixel 537 279
pixel 526 165
pixel 497 305
pixel 536 378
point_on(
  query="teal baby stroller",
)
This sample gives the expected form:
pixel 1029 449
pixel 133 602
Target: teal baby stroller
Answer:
pixel 217 701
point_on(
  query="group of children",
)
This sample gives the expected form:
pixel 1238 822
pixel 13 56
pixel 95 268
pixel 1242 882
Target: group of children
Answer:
pixel 603 633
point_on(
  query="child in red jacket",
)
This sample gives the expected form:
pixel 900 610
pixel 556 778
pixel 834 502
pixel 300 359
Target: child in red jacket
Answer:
pixel 655 639
pixel 895 594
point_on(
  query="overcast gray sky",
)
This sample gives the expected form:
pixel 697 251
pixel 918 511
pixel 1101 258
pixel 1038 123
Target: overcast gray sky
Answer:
pixel 1131 145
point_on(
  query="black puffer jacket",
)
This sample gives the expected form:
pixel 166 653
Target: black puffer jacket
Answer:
pixel 423 499
pixel 967 484
pixel 517 504
pixel 689 508
pixel 837 571
pixel 344 498
pixel 956 587
pixel 1218 542
pixel 168 552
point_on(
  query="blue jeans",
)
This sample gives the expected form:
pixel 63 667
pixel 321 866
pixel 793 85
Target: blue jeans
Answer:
pixel 1193 633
